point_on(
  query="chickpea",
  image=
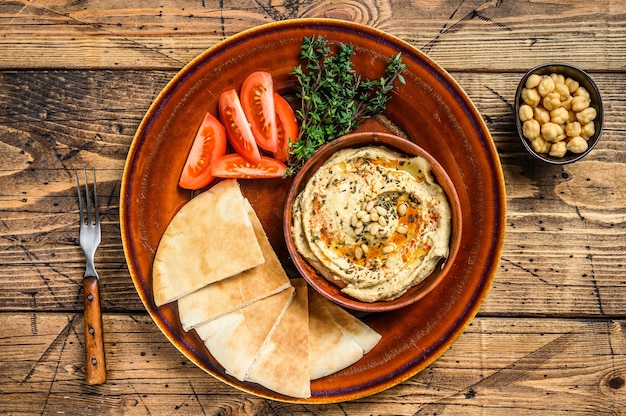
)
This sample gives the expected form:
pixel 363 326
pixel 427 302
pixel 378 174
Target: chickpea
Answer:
pixel 580 102
pixel 540 145
pixel 563 91
pixel 558 149
pixel 542 115
pixel 573 129
pixel 557 78
pixel 533 80
pixel 552 132
pixel 572 116
pixel 559 115
pixel 546 86
pixel 581 91
pixel 577 145
pixel 586 116
pixel 531 129
pixel 567 104
pixel 571 84
pixel 525 112
pixel 552 101
pixel 531 97
pixel 588 130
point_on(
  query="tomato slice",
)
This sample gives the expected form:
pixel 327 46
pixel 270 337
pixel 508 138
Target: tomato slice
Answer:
pixel 237 127
pixel 234 166
pixel 257 100
pixel 287 127
pixel 208 145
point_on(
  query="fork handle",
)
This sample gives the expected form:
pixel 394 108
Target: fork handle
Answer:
pixel 95 365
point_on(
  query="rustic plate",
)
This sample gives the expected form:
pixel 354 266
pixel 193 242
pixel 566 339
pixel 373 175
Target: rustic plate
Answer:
pixel 431 109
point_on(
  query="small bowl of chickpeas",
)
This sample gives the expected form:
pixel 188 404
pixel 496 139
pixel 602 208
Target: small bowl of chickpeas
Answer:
pixel 559 113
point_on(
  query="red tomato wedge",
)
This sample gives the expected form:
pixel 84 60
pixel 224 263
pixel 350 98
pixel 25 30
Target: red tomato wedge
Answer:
pixel 237 127
pixel 257 100
pixel 234 166
pixel 287 127
pixel 208 145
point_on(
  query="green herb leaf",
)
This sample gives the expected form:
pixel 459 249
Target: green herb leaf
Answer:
pixel 333 97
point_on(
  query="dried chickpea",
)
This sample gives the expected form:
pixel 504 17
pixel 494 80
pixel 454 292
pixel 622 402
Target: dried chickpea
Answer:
pixel 571 84
pixel 581 91
pixel 546 86
pixel 541 115
pixel 557 78
pixel 552 132
pixel 533 80
pixel 551 101
pixel 540 145
pixel 580 102
pixel 567 104
pixel 586 116
pixel 572 116
pixel 563 91
pixel 577 145
pixel 558 149
pixel 525 112
pixel 531 129
pixel 588 130
pixel 531 97
pixel 573 129
pixel 559 115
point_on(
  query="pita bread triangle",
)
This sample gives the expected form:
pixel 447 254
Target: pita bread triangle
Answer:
pixel 209 239
pixel 282 363
pixel 235 292
pixel 354 328
pixel 330 349
pixel 235 339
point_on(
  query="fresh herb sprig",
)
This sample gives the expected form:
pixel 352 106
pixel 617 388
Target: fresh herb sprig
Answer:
pixel 333 97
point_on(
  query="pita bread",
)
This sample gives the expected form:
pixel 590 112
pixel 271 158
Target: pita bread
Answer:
pixel 236 338
pixel 282 363
pixel 235 292
pixel 352 327
pixel 209 239
pixel 330 349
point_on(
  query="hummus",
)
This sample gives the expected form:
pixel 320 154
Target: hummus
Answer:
pixel 372 221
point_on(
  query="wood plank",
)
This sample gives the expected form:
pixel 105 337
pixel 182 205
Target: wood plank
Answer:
pixel 575 212
pixel 76 78
pixel 518 366
pixel 471 35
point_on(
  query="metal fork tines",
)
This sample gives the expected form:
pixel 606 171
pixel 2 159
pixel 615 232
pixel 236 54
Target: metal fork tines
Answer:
pixel 89 226
pixel 95 366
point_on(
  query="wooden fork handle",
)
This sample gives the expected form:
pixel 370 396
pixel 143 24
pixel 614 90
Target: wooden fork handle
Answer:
pixel 95 365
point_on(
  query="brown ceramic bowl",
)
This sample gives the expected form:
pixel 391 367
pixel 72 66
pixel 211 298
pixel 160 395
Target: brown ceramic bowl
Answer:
pixel 584 80
pixel 332 291
pixel 431 109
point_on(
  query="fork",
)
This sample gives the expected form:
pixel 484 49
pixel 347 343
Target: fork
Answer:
pixel 95 365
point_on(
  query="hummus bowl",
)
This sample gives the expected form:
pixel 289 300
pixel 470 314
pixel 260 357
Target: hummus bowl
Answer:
pixel 385 269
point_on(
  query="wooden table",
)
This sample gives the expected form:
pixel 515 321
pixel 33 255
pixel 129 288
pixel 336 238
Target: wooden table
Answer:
pixel 76 78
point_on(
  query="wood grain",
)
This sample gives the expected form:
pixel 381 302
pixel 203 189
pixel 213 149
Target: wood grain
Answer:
pixel 498 365
pixel 76 79
pixel 168 34
pixel 95 362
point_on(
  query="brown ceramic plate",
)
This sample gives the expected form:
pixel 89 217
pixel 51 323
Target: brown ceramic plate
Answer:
pixel 431 109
